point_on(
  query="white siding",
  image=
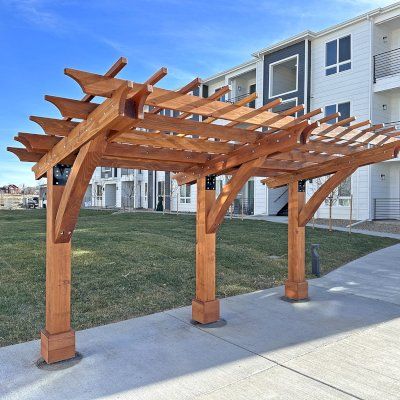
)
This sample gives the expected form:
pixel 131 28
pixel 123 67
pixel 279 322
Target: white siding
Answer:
pixel 260 197
pixel 353 85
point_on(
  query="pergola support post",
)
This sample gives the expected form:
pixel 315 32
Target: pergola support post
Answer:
pixel 296 286
pixel 205 307
pixel 57 339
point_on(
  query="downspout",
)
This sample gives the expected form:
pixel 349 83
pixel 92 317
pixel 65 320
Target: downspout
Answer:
pixel 155 191
pixel 370 94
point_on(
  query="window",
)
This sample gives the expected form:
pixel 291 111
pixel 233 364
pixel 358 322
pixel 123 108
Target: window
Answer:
pixel 344 192
pixel 342 108
pixel 222 97
pixel 106 172
pixel 185 194
pixel 338 55
pixel 285 105
pixel 252 89
pixel 99 190
pixel 160 188
pixel 145 191
pixel 283 76
pixel 341 196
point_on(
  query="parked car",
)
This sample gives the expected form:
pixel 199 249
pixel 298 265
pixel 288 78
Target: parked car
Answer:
pixel 32 203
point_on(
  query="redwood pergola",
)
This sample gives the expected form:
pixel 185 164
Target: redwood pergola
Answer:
pixel 127 130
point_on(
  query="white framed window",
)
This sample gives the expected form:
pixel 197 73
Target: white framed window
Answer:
pixel 185 191
pixel 343 108
pixel 341 196
pixel 160 188
pixel 286 105
pixel 283 76
pixel 146 185
pixel 344 193
pixel 338 55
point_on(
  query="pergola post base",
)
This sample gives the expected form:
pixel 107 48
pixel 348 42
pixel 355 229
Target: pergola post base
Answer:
pixel 57 347
pixel 296 290
pixel 205 312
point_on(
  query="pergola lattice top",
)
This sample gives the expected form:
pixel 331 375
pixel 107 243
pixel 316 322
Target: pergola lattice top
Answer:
pixel 128 130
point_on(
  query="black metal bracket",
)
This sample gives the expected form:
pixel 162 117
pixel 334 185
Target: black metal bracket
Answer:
pixel 210 182
pixel 60 174
pixel 302 185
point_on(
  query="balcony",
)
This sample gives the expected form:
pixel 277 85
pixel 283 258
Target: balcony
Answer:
pixel 387 70
pixel 395 124
pixel 232 100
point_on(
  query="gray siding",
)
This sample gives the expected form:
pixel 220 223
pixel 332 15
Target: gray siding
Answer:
pixel 298 48
pixel 150 189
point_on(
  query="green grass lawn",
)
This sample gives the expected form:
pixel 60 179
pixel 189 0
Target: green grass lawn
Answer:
pixel 126 265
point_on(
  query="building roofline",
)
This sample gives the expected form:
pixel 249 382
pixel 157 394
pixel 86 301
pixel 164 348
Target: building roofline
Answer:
pixel 310 35
pixel 227 71
pixel 313 35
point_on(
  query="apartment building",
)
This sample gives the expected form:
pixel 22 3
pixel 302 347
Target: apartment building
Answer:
pixel 352 68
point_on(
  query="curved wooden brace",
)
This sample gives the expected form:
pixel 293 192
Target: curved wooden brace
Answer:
pixel 88 159
pixel 37 143
pixel 70 108
pixel 24 155
pixel 53 126
pixel 309 209
pixel 94 84
pixel 138 101
pixel 229 193
pixel 24 141
pixel 307 132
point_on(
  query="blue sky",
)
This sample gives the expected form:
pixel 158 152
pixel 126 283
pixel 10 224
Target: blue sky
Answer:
pixel 39 38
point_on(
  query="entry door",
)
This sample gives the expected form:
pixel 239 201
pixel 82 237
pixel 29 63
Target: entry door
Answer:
pixel 110 195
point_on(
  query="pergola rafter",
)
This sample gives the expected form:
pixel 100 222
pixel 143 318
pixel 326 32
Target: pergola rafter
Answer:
pixel 197 139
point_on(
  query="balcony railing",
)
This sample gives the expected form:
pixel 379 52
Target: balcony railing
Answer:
pixel 387 64
pixel 395 124
pixel 387 208
pixel 232 100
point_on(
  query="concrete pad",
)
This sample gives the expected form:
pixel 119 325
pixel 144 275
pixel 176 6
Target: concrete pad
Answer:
pixel 276 383
pixel 375 276
pixel 265 324
pixel 366 365
pixel 343 343
pixel 153 357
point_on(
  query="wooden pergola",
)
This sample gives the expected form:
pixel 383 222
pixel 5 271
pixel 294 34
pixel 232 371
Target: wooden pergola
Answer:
pixel 204 138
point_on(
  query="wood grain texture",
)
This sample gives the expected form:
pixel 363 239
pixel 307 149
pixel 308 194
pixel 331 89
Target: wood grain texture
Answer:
pixel 296 285
pixel 283 141
pixel 57 339
pixel 105 117
pixel 312 205
pixel 204 308
pixel 82 170
pixel 229 192
pixel 355 160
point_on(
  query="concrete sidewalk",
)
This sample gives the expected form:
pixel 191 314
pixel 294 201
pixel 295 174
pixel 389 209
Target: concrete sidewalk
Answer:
pixel 284 220
pixel 343 344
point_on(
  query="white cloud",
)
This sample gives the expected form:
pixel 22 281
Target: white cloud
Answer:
pixel 33 11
